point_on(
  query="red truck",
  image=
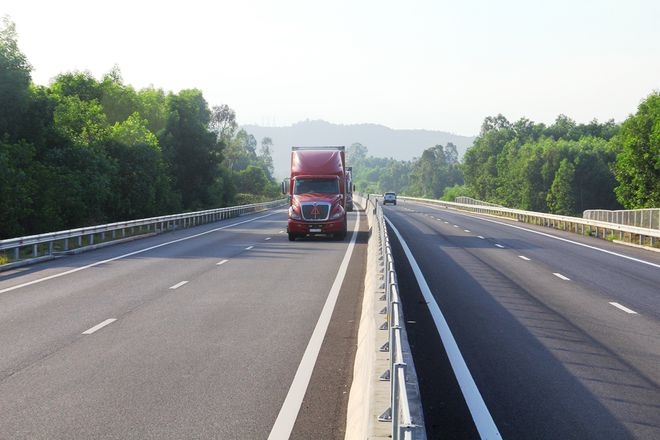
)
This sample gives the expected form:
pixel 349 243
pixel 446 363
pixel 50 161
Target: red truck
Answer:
pixel 317 192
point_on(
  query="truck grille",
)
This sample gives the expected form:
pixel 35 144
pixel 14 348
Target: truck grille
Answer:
pixel 315 211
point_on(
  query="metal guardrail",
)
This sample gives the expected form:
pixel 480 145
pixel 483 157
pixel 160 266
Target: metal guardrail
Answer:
pixel 643 218
pixel 399 412
pixel 633 234
pixel 25 250
pixel 470 201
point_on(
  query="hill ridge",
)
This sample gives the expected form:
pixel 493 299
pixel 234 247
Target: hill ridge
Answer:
pixel 380 140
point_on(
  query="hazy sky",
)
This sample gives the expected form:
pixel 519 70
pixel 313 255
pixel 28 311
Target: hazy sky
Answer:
pixel 431 64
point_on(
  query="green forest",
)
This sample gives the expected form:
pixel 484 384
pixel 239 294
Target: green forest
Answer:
pixel 564 168
pixel 84 151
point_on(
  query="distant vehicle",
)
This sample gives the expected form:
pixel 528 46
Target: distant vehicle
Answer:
pixel 389 197
pixel 317 192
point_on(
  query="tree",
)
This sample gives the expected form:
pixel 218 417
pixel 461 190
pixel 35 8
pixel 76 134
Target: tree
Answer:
pixel 494 123
pixel 14 81
pixel 561 198
pixel 223 122
pixel 265 156
pixel 83 122
pixel 637 167
pixel 79 84
pixel 118 100
pixel 563 128
pixel 17 186
pixel 191 150
pixel 594 182
pixel 241 151
pixel 141 187
pixel 357 154
pixel 436 170
pixel 153 107
pixel 395 176
pixel 253 180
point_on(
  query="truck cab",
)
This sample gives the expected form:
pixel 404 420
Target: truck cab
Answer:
pixel 317 192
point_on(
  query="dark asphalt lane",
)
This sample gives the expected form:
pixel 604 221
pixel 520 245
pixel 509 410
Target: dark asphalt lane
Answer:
pixel 209 333
pixel 551 356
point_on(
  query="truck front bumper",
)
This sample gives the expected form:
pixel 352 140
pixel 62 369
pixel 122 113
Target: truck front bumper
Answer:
pixel 299 227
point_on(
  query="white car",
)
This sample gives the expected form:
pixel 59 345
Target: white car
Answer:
pixel 389 197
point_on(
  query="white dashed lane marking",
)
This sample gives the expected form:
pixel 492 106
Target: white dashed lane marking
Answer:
pixel 625 309
pixel 99 326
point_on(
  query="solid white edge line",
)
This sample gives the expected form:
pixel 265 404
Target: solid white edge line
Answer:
pixel 624 308
pixel 480 414
pixel 286 418
pixel 130 254
pixel 558 275
pixel 99 326
pixel 177 285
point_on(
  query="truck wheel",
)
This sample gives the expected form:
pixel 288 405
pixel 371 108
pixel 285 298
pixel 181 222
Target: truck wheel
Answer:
pixel 341 235
pixel 292 237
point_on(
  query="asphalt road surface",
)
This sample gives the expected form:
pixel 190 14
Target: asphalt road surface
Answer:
pixel 198 334
pixel 560 333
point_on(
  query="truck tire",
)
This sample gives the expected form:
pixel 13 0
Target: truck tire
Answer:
pixel 292 237
pixel 341 235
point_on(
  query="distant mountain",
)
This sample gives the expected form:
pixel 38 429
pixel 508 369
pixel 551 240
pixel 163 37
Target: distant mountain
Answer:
pixel 380 141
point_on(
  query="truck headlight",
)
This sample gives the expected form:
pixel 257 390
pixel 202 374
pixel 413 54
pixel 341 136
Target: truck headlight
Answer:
pixel 293 213
pixel 339 213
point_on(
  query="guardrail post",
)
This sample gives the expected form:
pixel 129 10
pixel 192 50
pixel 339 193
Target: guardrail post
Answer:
pixel 399 366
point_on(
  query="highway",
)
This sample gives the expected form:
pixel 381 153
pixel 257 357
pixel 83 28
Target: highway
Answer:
pixel 558 334
pixel 222 331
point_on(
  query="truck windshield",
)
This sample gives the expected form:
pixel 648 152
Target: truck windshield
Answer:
pixel 322 186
